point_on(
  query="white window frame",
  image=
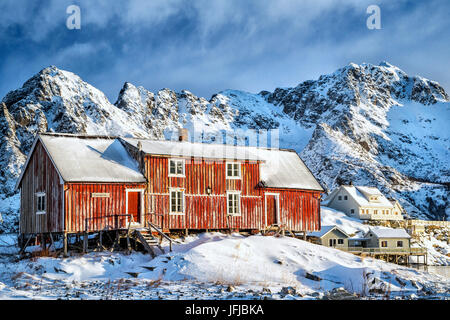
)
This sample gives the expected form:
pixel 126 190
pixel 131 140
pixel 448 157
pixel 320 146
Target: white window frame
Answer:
pixel 239 170
pixel 177 160
pixel 176 213
pixel 39 195
pixel 234 214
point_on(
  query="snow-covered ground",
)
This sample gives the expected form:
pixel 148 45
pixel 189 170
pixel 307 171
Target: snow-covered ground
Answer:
pixel 215 266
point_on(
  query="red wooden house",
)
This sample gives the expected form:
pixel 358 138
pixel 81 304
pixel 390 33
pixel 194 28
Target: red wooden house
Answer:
pixel 78 184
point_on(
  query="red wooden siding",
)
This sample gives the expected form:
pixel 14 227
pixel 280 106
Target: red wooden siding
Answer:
pixel 203 211
pixel 299 209
pixel 99 212
pixel 72 208
pixel 41 176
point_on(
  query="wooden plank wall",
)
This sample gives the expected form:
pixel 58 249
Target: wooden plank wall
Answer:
pixel 81 205
pixel 203 211
pixel 299 209
pixel 41 176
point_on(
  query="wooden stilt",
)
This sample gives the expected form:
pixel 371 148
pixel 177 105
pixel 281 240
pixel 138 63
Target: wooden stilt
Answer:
pixel 65 244
pixel 26 244
pixel 43 242
pixel 85 242
pixel 52 242
pixel 128 242
pixel 186 232
pixel 101 240
pixel 116 241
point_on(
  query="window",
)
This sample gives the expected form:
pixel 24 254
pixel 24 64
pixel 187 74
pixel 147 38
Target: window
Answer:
pixel 41 203
pixel 399 244
pixel 340 241
pixel 233 204
pixel 233 170
pixel 375 211
pixel 176 168
pixel 384 244
pixel 345 198
pixel 176 201
pixel 332 242
pixel 352 211
pixel 340 198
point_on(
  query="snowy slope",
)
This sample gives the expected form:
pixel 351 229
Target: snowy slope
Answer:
pixel 371 124
pixel 204 265
pixel 352 226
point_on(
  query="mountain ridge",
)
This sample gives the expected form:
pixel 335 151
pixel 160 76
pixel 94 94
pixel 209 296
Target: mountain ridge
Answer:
pixel 349 125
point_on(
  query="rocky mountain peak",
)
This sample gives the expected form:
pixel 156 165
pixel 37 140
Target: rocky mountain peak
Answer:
pixel 371 124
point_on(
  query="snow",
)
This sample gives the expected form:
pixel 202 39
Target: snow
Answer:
pixel 205 264
pixel 390 233
pixel 357 193
pixel 88 159
pixel 324 230
pixel 350 225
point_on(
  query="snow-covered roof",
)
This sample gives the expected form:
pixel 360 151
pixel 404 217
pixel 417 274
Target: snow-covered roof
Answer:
pixel 90 159
pixel 389 233
pixel 360 194
pixel 324 230
pixel 196 150
pixel 369 190
pixel 280 168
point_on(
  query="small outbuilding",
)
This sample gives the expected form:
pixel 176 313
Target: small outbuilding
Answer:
pixel 330 236
pixel 385 238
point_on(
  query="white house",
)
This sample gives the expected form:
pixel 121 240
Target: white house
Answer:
pixel 366 203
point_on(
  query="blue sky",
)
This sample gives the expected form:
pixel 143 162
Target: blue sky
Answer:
pixel 206 46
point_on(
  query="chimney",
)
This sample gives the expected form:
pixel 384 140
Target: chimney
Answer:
pixel 183 135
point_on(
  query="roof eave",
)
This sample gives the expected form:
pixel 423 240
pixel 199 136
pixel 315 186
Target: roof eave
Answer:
pixel 25 166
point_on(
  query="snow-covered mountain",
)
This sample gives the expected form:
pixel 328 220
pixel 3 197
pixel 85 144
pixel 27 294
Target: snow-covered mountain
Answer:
pixel 370 124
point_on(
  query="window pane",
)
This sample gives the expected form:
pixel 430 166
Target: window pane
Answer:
pixel 180 167
pixel 172 167
pixel 179 202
